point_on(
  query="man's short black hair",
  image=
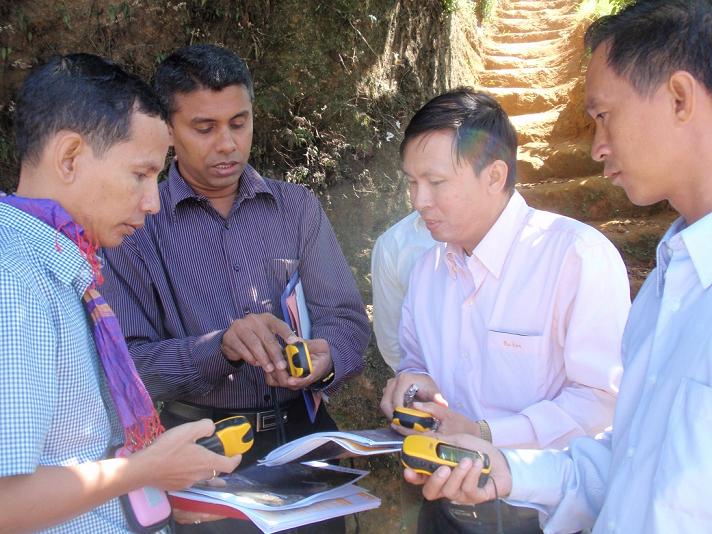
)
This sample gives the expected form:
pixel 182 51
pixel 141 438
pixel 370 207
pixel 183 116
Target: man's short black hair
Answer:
pixel 483 131
pixel 82 93
pixel 651 39
pixel 196 67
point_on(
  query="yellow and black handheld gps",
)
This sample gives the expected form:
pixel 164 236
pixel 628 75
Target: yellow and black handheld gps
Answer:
pixel 233 435
pixel 413 419
pixel 298 359
pixel 424 454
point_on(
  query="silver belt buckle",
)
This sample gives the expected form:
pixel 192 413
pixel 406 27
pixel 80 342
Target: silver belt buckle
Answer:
pixel 268 420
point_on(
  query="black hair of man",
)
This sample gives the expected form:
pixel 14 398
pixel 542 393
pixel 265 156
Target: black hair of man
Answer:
pixel 196 67
pixel 483 131
pixel 82 93
pixel 651 39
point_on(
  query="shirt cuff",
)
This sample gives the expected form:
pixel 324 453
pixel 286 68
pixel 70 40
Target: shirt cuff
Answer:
pixel 535 480
pixel 414 371
pixel 208 357
pixel 338 369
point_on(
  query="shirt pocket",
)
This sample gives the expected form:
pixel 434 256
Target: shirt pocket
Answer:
pixel 682 480
pixel 511 370
pixel 281 270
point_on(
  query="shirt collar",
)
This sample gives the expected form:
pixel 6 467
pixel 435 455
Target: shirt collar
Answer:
pixel 695 239
pixel 251 184
pixel 492 251
pixel 59 254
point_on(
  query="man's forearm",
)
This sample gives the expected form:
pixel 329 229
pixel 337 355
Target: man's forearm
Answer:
pixel 52 495
pixel 568 486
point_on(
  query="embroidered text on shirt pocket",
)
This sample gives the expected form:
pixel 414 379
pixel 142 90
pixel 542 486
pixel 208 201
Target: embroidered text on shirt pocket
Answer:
pixel 510 341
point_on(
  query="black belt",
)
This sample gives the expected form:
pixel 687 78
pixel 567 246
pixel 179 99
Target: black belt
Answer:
pixel 261 421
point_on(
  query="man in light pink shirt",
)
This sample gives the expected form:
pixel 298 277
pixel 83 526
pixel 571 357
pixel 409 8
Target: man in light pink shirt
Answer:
pixel 511 326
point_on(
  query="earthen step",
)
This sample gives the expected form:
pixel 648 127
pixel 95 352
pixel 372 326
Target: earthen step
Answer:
pixel 587 199
pixel 533 23
pixel 637 237
pixel 518 13
pixel 537 162
pixel 536 5
pixel 523 100
pixel 538 49
pixel 540 127
pixel 527 76
pixel 530 36
pixel 494 62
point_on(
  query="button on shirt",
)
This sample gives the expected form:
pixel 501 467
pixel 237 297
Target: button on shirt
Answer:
pixel 394 255
pixel 55 409
pixel 177 283
pixel 653 473
pixel 524 333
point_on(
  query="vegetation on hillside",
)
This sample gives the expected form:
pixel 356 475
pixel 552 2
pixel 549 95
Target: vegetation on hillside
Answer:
pixel 485 8
pixel 334 80
pixel 597 8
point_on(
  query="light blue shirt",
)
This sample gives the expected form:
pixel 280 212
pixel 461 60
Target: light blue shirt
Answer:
pixel 55 409
pixel 653 473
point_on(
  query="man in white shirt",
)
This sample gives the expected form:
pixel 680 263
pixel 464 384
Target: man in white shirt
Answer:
pixel 394 254
pixel 515 319
pixel 649 89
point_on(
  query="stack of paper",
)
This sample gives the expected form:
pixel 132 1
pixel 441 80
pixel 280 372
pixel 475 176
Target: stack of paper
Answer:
pixel 352 499
pixel 331 445
pixel 282 497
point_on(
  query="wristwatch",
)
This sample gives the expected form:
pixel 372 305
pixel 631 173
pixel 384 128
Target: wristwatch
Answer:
pixel 485 432
pixel 324 382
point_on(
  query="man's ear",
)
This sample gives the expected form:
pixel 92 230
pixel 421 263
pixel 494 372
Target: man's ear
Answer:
pixel 170 133
pixel 496 174
pixel 67 147
pixel 683 89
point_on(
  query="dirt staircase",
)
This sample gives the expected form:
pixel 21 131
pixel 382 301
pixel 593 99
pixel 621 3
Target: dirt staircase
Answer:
pixel 534 57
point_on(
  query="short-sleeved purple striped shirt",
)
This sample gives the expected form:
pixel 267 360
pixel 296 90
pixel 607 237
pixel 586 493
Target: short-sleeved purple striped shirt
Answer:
pixel 180 281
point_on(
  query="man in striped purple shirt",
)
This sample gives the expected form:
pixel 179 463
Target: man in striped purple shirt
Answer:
pixel 197 289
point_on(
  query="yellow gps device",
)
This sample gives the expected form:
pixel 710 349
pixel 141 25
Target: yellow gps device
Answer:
pixel 233 435
pixel 424 454
pixel 413 419
pixel 298 359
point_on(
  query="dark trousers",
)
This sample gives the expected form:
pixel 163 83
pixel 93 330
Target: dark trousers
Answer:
pixel 443 517
pixel 297 425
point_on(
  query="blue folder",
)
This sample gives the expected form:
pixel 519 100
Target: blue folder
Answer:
pixel 302 326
